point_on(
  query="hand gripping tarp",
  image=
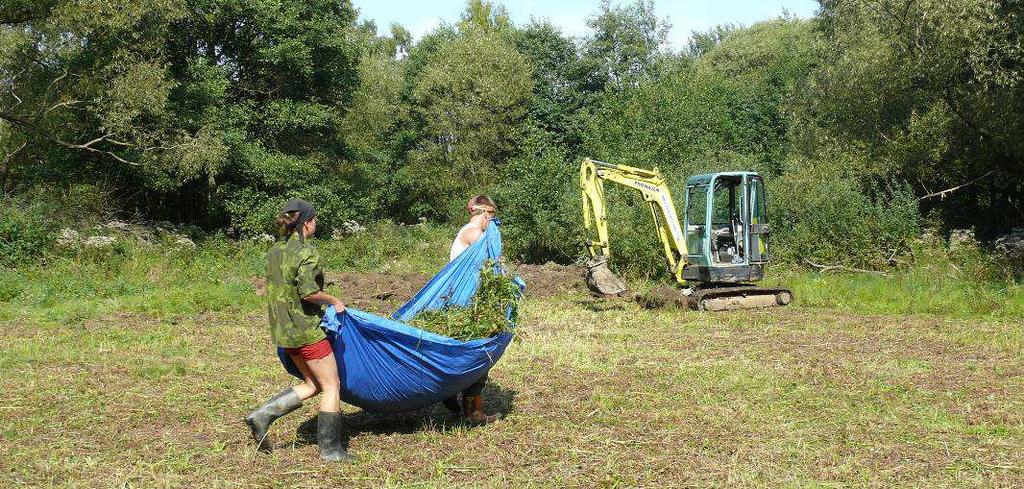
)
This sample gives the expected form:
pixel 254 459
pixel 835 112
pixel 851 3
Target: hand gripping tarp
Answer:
pixel 386 365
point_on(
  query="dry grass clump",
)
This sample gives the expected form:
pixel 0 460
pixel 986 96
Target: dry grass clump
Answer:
pixel 486 314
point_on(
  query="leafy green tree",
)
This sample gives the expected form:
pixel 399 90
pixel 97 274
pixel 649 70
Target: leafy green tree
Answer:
pixel 194 105
pixel 402 39
pixel 930 89
pixel 562 86
pixel 700 43
pixel 468 98
pixel 688 122
pixel 276 80
pixel 779 53
pixel 372 130
pixel 626 41
pixel 85 88
pixel 484 15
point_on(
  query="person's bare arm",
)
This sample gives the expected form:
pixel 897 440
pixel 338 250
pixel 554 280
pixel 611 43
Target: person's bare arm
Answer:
pixel 471 235
pixel 325 299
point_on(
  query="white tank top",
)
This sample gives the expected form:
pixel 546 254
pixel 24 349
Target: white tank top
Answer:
pixel 458 246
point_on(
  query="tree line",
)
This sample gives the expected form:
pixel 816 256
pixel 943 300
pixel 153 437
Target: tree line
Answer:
pixel 871 120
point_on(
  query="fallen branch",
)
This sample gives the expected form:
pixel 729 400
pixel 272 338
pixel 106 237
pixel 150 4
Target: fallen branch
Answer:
pixel 26 124
pixel 840 268
pixel 943 193
pixel 46 95
pixel 385 295
pixel 8 156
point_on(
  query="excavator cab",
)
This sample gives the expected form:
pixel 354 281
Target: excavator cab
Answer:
pixel 726 225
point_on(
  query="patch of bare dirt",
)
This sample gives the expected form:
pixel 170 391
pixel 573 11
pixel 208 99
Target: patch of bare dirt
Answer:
pixel 376 292
pixel 663 296
pixel 551 279
pixel 383 293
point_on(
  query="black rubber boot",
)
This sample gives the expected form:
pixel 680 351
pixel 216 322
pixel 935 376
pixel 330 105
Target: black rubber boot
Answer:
pixel 259 420
pixel 328 438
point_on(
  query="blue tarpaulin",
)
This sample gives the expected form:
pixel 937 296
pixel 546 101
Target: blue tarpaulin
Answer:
pixel 386 365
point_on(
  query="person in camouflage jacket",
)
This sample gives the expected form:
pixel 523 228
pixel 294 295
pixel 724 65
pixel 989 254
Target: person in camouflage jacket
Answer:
pixel 295 300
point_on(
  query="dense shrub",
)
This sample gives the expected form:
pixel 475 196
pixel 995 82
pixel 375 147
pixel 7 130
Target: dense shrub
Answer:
pixel 30 221
pixel 11 285
pixel 823 214
pixel 539 204
pixel 24 235
pixel 252 212
pixel 635 248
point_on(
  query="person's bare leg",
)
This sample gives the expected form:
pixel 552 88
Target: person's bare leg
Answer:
pixel 325 370
pixel 325 374
pixel 309 386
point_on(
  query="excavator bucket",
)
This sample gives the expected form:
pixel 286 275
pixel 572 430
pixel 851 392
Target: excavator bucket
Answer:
pixel 601 280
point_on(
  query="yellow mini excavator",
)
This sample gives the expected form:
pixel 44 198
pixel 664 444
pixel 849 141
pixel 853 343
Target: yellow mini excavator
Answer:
pixel 716 255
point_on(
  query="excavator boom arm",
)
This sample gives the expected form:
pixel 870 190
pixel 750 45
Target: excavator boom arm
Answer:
pixel 655 192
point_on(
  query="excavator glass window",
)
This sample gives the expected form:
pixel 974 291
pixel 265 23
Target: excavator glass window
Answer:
pixel 727 222
pixel 758 222
pixel 696 217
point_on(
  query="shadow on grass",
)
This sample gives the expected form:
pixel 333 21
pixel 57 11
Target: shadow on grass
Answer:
pixel 497 399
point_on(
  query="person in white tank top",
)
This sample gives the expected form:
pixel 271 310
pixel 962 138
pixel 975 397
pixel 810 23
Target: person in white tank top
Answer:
pixel 458 245
pixel 481 210
pixel 481 214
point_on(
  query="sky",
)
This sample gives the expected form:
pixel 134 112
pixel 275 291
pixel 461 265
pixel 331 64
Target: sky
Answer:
pixel 685 16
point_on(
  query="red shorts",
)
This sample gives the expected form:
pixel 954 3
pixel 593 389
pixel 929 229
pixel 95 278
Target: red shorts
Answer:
pixel 312 351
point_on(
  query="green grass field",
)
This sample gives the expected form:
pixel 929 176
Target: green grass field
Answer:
pixel 135 370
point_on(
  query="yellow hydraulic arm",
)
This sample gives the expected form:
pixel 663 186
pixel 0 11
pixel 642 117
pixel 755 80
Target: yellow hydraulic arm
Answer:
pixel 652 186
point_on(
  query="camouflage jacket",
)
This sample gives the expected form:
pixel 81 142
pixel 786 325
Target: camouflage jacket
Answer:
pixel 293 272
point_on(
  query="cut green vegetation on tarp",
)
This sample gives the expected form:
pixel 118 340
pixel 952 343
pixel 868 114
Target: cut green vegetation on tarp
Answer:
pixel 493 310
